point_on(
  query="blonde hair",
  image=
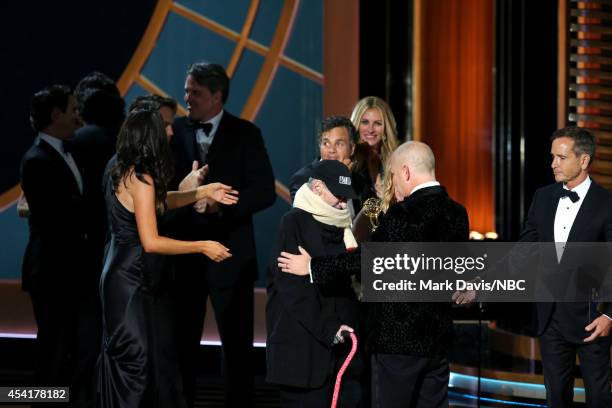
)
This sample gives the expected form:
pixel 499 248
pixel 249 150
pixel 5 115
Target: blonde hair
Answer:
pixel 388 193
pixel 389 140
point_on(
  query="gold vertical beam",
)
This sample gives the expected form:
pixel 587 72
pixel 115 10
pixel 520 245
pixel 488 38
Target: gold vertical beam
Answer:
pixel 562 64
pixel 9 197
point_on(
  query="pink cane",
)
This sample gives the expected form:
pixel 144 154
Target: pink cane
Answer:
pixel 346 363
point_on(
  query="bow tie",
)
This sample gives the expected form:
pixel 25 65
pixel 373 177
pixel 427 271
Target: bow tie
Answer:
pixel 571 194
pixel 206 127
pixel 68 146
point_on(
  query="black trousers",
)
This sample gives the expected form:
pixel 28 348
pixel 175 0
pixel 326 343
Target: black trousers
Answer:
pixel 559 359
pixel 400 381
pixel 67 343
pixel 233 308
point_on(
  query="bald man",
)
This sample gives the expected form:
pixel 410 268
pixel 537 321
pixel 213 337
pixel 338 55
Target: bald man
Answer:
pixel 409 341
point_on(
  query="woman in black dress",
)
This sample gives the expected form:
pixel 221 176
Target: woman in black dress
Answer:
pixel 137 366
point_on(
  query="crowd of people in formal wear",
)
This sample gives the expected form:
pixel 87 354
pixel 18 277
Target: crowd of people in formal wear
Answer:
pixel 137 218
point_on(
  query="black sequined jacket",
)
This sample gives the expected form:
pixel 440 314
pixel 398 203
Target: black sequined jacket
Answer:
pixel 420 329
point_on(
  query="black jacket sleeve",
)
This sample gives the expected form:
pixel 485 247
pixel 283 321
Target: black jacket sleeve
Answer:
pixel 298 296
pixel 258 191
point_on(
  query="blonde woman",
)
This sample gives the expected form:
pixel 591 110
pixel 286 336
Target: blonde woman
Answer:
pixel 377 140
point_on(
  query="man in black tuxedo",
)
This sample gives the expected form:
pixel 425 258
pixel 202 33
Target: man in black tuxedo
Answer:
pixel 409 342
pixel 234 150
pixel 58 274
pixel 575 209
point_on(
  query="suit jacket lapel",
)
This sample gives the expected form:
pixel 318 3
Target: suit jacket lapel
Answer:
pixel 548 218
pixel 191 143
pixel 55 156
pixel 220 140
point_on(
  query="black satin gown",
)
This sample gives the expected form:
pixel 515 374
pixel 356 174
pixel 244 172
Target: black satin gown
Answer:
pixel 138 366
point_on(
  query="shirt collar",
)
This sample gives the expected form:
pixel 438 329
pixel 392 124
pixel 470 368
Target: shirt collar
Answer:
pixel 582 188
pixel 214 121
pixel 56 143
pixel 424 185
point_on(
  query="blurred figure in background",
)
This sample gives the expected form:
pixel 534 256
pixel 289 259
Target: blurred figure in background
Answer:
pixel 166 105
pixel 58 272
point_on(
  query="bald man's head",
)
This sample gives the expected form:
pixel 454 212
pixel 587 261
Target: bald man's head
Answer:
pixel 418 156
pixel 412 163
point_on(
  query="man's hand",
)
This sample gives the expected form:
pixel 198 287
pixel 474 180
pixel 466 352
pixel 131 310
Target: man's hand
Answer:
pixel 23 209
pixel 600 327
pixel 206 205
pixel 464 297
pixel 201 206
pixel 338 337
pixel 195 178
pixel 294 264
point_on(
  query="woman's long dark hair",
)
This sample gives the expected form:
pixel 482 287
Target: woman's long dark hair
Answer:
pixel 142 147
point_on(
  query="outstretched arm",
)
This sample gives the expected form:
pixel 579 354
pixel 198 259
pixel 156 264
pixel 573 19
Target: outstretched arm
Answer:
pixel 143 197
pixel 216 192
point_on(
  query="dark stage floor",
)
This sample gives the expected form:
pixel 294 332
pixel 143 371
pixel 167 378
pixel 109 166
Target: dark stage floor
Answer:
pixel 501 367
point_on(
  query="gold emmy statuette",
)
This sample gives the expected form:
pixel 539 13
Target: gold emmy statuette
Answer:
pixel 372 208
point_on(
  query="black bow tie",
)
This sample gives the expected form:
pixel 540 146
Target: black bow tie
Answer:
pixel 571 194
pixel 206 127
pixel 68 146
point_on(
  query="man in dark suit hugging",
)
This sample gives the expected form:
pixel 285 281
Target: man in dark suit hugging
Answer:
pixel 409 342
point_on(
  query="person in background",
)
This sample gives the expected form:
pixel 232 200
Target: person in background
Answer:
pixel 378 138
pixel 57 272
pixel 337 140
pixel 166 105
pixel 235 153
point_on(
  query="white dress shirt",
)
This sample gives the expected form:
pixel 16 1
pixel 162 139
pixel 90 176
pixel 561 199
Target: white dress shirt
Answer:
pixel 58 145
pixel 566 214
pixel 204 139
pixel 425 185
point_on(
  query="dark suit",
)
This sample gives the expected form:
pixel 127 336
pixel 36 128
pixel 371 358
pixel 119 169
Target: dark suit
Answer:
pixel 409 341
pixel 237 157
pixel 94 146
pixel 301 322
pixel 561 325
pixel 58 273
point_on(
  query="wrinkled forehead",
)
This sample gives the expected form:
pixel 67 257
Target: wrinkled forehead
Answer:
pixel 563 144
pixel 337 133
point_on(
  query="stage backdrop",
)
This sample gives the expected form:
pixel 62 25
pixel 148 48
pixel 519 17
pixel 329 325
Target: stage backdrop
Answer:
pixel 272 50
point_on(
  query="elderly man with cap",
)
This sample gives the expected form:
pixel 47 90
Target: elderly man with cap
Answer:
pixel 304 325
